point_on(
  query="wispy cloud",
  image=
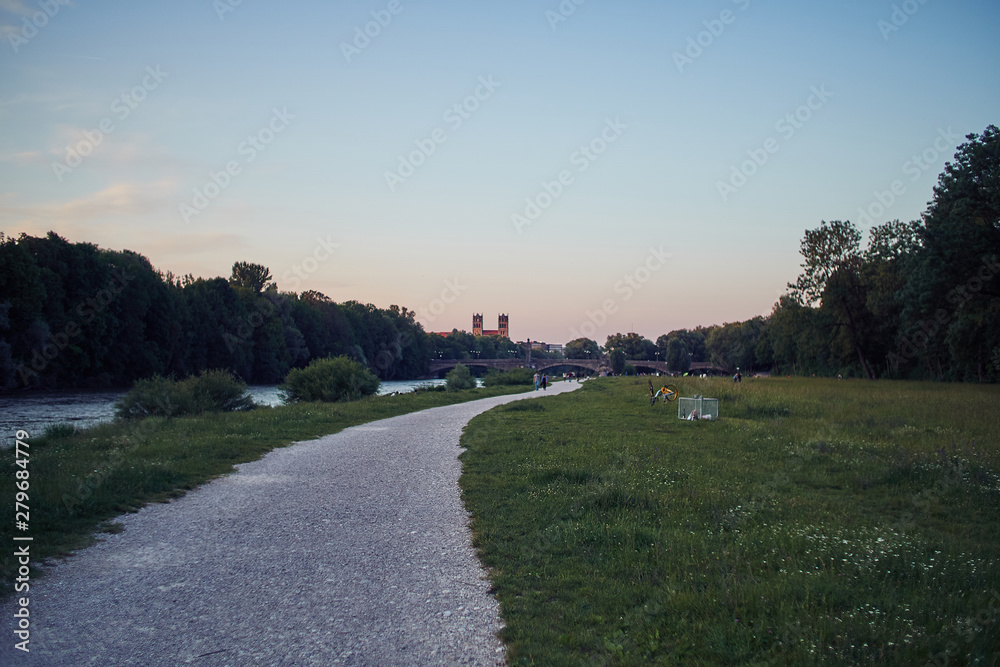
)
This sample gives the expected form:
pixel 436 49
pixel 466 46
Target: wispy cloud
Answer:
pixel 112 203
pixel 25 158
pixel 138 216
pixel 16 7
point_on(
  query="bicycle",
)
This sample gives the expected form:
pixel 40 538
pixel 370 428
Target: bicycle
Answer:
pixel 667 391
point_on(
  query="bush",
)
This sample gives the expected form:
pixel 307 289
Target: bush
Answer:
pixel 218 391
pixel 516 376
pixel 210 391
pixel 460 378
pixel 437 387
pixel 330 380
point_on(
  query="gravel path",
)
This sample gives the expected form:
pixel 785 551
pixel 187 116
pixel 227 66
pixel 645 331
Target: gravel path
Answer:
pixel 351 549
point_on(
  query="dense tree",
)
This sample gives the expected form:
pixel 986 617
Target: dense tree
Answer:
pixel 890 248
pixel 733 346
pixel 831 276
pixel 951 301
pixel 253 277
pixel 676 354
pixel 796 339
pixel 617 359
pixel 75 315
pixel 464 345
pixel 582 348
pixel 920 300
pixel 23 328
pixel 633 345
pixel 692 339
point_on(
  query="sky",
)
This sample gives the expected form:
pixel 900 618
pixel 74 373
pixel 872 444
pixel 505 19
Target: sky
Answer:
pixel 586 166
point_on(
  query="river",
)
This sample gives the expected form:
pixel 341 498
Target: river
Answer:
pixel 34 412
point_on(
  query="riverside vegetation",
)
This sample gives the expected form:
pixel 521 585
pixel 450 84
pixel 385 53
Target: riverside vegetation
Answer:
pixel 819 521
pixel 904 300
pixel 82 479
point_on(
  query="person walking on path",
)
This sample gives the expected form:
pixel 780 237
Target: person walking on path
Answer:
pixel 536 380
pixel 545 381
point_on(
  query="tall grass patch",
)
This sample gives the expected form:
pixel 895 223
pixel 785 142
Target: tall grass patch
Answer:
pixel 330 380
pixel 209 391
pixel 817 522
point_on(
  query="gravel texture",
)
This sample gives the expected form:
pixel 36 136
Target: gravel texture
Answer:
pixel 352 549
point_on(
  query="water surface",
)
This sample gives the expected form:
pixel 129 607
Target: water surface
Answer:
pixel 34 412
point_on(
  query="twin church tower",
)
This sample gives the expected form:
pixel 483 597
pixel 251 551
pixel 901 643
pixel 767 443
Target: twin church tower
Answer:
pixel 503 326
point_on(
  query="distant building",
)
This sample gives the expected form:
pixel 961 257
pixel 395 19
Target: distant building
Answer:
pixel 503 326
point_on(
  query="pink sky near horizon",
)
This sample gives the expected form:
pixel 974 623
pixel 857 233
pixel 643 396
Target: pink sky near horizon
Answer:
pixel 720 154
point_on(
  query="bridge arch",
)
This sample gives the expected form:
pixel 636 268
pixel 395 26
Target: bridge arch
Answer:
pixel 437 366
pixel 545 364
pixel 596 365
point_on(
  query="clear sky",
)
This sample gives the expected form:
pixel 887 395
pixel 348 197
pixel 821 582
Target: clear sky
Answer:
pixel 609 166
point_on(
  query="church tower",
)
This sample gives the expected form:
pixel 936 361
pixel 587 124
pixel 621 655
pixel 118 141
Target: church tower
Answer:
pixel 503 326
pixel 477 325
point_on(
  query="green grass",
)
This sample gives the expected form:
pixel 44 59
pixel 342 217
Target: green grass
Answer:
pixel 818 522
pixel 79 480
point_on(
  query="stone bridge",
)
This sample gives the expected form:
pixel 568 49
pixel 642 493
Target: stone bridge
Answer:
pixel 596 365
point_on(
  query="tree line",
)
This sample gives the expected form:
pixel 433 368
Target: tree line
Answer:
pixel 73 315
pixel 915 300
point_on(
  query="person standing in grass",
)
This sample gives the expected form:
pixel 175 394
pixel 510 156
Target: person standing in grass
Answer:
pixel 536 380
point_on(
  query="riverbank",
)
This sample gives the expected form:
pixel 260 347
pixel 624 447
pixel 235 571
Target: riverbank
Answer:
pixel 34 411
pixel 817 522
pixel 352 548
pixel 80 480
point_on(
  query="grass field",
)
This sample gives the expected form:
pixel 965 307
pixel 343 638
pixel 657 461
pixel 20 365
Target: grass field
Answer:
pixel 818 522
pixel 79 480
